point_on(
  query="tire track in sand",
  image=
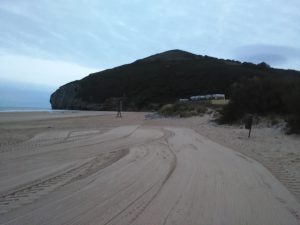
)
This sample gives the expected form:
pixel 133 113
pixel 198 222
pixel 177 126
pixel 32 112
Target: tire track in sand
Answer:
pixel 26 194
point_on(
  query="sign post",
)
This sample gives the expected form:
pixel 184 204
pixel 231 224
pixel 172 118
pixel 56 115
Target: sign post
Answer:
pixel 119 114
pixel 248 124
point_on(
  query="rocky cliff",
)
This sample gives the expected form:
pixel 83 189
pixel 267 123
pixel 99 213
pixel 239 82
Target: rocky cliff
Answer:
pixel 65 96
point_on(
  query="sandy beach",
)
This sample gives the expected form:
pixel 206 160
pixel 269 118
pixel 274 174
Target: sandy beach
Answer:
pixel 93 168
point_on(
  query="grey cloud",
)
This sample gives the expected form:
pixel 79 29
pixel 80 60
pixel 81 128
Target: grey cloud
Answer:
pixel 272 54
pixel 110 33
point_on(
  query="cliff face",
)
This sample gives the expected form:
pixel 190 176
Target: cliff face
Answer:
pixel 162 78
pixel 65 97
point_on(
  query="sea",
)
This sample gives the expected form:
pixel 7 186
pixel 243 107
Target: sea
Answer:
pixel 25 109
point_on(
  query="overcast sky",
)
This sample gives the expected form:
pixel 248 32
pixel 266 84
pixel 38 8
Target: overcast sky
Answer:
pixel 51 42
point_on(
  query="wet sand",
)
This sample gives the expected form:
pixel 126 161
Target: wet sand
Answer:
pixel 94 168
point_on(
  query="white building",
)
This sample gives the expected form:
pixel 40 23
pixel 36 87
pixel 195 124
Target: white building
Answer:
pixel 219 96
pixel 208 97
pixel 183 100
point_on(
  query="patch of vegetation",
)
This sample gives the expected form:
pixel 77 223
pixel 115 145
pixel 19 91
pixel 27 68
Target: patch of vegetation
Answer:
pixel 292 101
pixel 182 110
pixel 264 96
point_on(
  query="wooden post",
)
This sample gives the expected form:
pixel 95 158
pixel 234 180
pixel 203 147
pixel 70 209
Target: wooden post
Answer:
pixel 119 114
pixel 248 124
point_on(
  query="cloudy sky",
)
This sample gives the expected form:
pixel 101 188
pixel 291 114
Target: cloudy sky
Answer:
pixel 51 42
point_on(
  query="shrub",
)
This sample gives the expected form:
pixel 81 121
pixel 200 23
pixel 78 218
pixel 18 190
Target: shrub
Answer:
pixel 292 102
pixel 182 110
pixel 264 96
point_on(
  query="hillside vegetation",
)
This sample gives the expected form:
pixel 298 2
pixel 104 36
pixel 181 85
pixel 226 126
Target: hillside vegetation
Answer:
pixel 165 77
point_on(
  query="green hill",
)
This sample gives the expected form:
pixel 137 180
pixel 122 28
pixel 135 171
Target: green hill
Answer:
pixel 162 78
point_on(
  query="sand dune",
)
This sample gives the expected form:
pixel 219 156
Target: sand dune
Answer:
pixel 98 169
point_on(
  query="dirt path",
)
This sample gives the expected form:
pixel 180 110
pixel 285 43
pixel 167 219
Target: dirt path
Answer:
pixel 136 174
